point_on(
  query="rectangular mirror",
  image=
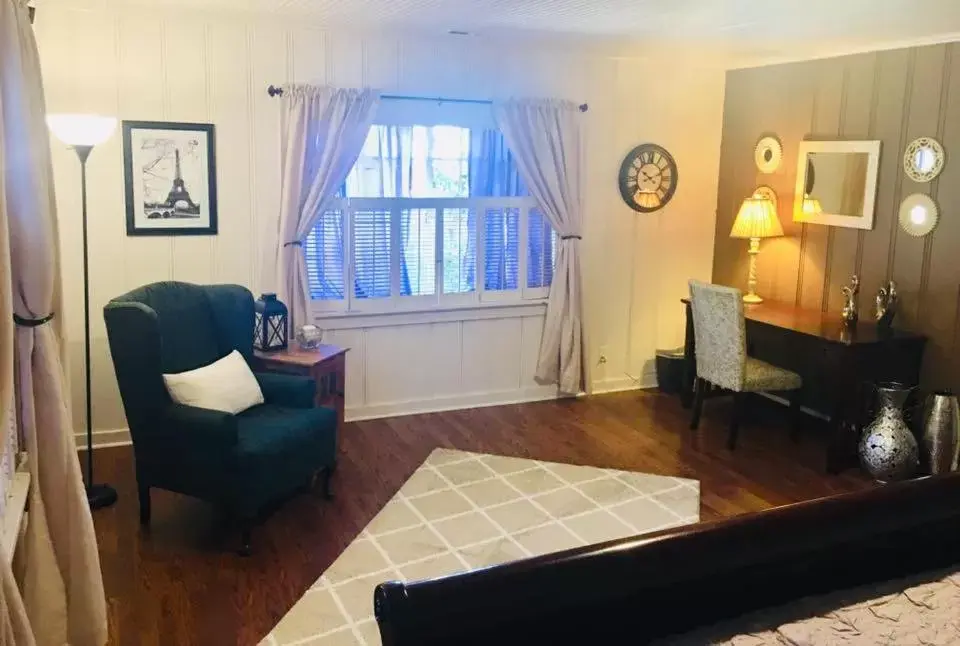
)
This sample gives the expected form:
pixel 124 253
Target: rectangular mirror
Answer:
pixel 837 183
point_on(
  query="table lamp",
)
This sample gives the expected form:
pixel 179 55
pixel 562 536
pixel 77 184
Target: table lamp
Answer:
pixel 82 132
pixel 757 219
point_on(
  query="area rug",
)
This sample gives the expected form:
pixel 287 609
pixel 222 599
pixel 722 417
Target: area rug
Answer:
pixel 461 511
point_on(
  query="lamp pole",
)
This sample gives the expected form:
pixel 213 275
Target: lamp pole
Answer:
pixel 98 495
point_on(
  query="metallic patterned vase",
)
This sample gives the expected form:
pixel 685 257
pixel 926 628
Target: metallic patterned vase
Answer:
pixel 940 441
pixel 888 450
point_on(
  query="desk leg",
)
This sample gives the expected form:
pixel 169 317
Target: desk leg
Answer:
pixel 689 362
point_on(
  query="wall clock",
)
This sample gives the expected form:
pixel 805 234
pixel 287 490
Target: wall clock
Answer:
pixel 648 178
pixel 768 154
pixel 923 160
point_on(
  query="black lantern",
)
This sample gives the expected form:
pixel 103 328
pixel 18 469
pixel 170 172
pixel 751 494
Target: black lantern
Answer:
pixel 270 326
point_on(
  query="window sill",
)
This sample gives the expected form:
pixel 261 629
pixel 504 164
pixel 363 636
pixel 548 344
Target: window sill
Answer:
pixel 440 314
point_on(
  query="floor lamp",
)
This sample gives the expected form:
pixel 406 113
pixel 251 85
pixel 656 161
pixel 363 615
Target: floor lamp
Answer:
pixel 82 132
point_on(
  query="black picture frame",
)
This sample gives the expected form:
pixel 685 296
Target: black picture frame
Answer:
pixel 167 211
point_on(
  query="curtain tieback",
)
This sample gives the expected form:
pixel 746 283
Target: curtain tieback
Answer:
pixel 571 237
pixel 294 243
pixel 22 322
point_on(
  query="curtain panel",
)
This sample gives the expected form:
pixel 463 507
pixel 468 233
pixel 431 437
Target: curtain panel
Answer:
pixel 60 580
pixel 544 138
pixel 323 130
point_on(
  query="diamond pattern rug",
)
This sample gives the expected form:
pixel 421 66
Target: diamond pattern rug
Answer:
pixel 461 511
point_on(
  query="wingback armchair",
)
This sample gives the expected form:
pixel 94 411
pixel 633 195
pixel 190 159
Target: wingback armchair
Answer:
pixel 242 462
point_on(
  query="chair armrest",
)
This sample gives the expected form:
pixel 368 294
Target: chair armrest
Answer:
pixel 199 429
pixel 287 390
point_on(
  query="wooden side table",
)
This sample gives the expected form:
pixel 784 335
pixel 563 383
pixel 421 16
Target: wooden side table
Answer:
pixel 327 365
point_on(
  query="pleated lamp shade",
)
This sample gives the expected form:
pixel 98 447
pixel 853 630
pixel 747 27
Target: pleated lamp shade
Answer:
pixel 757 219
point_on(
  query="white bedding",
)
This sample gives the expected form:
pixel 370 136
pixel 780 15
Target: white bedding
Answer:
pixel 915 612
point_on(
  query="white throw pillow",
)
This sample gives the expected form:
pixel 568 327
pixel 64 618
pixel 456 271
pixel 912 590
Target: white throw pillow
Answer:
pixel 226 385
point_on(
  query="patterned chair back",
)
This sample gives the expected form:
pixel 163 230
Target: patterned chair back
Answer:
pixel 720 334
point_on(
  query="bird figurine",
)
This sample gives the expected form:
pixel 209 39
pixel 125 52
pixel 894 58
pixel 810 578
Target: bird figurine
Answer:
pixel 851 307
pixel 886 307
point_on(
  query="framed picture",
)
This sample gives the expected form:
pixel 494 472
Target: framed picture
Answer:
pixel 170 178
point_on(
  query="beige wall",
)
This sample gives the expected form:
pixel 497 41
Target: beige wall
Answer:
pixel 894 96
pixel 155 66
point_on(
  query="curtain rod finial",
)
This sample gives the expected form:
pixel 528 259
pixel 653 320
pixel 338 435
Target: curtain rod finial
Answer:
pixel 275 91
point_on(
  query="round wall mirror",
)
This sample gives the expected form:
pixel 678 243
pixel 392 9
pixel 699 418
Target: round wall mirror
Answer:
pixel 924 159
pixel 767 154
pixel 918 214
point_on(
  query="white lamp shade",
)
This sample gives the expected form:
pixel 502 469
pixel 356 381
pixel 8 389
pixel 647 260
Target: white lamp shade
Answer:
pixel 81 129
pixel 757 219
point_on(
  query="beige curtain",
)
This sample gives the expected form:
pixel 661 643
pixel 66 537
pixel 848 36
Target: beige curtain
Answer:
pixel 323 131
pixel 544 137
pixel 60 580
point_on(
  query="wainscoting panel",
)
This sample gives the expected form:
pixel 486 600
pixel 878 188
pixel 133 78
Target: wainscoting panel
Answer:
pixel 894 96
pixel 185 64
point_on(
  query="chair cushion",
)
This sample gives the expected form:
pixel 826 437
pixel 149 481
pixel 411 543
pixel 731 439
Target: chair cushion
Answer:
pixel 761 376
pixel 275 430
pixel 226 385
pixel 278 449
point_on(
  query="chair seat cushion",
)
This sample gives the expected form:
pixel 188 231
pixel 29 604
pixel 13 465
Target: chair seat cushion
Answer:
pixel 278 449
pixel 270 430
pixel 761 376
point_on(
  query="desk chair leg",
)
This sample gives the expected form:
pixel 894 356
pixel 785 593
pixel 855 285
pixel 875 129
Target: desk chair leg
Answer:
pixel 796 415
pixel 699 389
pixel 739 401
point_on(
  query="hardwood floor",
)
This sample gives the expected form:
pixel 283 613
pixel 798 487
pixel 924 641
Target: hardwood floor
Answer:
pixel 181 583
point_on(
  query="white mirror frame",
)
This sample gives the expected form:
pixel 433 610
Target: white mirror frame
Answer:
pixel 863 220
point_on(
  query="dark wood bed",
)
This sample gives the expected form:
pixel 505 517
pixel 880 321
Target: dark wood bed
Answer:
pixel 636 590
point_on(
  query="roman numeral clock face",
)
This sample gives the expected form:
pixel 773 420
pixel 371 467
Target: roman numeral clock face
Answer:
pixel 648 178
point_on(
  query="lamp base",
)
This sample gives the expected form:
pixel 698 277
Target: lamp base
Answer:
pixel 100 496
pixel 752 298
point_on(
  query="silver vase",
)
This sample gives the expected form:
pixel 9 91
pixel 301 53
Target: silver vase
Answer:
pixel 888 450
pixel 940 441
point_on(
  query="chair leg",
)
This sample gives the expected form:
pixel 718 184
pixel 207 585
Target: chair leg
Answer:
pixel 739 400
pixel 143 492
pixel 796 415
pixel 699 390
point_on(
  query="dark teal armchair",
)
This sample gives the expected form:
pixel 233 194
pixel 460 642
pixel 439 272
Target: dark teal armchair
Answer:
pixel 243 462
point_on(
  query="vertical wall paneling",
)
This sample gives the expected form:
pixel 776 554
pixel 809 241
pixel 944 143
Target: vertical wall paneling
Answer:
pixel 855 125
pixel 923 119
pixel 156 64
pixel 894 96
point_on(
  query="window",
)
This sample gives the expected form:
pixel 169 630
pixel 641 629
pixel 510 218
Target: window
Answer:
pixel 430 216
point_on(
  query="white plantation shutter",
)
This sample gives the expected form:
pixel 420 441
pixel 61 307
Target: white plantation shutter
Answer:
pixel 418 260
pixel 371 254
pixel 541 250
pixel 459 251
pixel 324 255
pixel 501 249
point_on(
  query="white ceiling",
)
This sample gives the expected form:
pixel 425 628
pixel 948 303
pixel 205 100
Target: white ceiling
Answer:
pixel 765 29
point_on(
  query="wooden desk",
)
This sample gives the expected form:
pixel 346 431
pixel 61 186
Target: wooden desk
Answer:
pixel 837 363
pixel 327 365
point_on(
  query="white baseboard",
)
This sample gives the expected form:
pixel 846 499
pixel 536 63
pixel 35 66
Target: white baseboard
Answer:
pixel 628 382
pixel 451 402
pixel 121 436
pixel 104 438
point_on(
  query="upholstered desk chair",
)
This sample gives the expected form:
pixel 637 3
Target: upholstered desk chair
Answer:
pixel 243 462
pixel 720 336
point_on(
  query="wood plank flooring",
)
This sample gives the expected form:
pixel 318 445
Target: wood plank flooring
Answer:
pixel 181 583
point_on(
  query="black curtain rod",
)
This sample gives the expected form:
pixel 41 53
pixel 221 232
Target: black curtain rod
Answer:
pixel 278 91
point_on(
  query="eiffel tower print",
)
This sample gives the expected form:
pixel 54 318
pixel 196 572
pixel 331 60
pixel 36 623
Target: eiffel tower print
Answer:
pixel 179 197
